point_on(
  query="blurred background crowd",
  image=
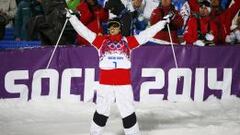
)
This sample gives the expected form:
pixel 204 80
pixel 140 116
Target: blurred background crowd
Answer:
pixel 195 22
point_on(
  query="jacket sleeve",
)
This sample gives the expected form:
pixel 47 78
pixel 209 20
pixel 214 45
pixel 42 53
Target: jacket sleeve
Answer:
pixel 230 12
pixel 190 35
pixel 150 32
pixel 194 6
pixel 86 14
pixel 81 29
pixel 155 16
pixel 177 22
pixel 102 14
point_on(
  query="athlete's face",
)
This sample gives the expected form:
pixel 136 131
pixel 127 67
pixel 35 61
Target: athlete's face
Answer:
pixel 113 30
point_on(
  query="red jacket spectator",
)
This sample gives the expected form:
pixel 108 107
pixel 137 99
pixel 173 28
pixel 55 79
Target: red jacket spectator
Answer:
pixel 223 19
pixel 92 16
pixel 194 6
pixel 175 24
pixel 202 25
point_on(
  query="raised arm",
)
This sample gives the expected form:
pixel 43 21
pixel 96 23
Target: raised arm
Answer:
pixel 144 36
pixel 194 6
pixel 80 28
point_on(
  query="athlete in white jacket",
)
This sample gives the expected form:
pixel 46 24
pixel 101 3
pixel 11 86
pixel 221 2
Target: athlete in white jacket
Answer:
pixel 115 81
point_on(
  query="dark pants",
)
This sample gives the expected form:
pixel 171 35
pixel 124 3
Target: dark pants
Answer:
pixel 2 31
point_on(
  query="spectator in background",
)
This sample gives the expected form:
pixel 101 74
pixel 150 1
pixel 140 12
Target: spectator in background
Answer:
pixel 234 36
pixel 50 24
pixel 36 8
pixel 185 12
pixel 7 12
pixel 119 10
pixel 164 8
pixel 134 14
pixel 222 18
pixel 143 9
pixel 140 22
pixel 37 12
pixel 23 15
pixel 72 4
pixel 200 30
pixel 92 16
pixel 178 4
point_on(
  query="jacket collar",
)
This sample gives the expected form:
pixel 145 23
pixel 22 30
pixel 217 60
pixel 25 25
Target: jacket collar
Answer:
pixel 115 37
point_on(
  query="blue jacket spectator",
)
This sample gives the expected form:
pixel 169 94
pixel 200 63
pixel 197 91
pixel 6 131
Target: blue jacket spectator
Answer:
pixel 143 10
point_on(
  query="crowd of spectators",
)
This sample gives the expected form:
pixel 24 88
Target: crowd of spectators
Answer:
pixel 212 22
pixel 195 22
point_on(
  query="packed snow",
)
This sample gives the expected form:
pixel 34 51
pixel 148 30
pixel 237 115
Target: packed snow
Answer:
pixel 48 117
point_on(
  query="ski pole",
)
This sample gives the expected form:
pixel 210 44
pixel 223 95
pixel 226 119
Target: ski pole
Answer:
pixel 50 60
pixel 174 54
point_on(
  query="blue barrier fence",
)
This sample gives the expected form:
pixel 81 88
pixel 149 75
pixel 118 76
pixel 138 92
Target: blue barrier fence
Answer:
pixel 8 44
pixel 8 41
pixel 9 33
